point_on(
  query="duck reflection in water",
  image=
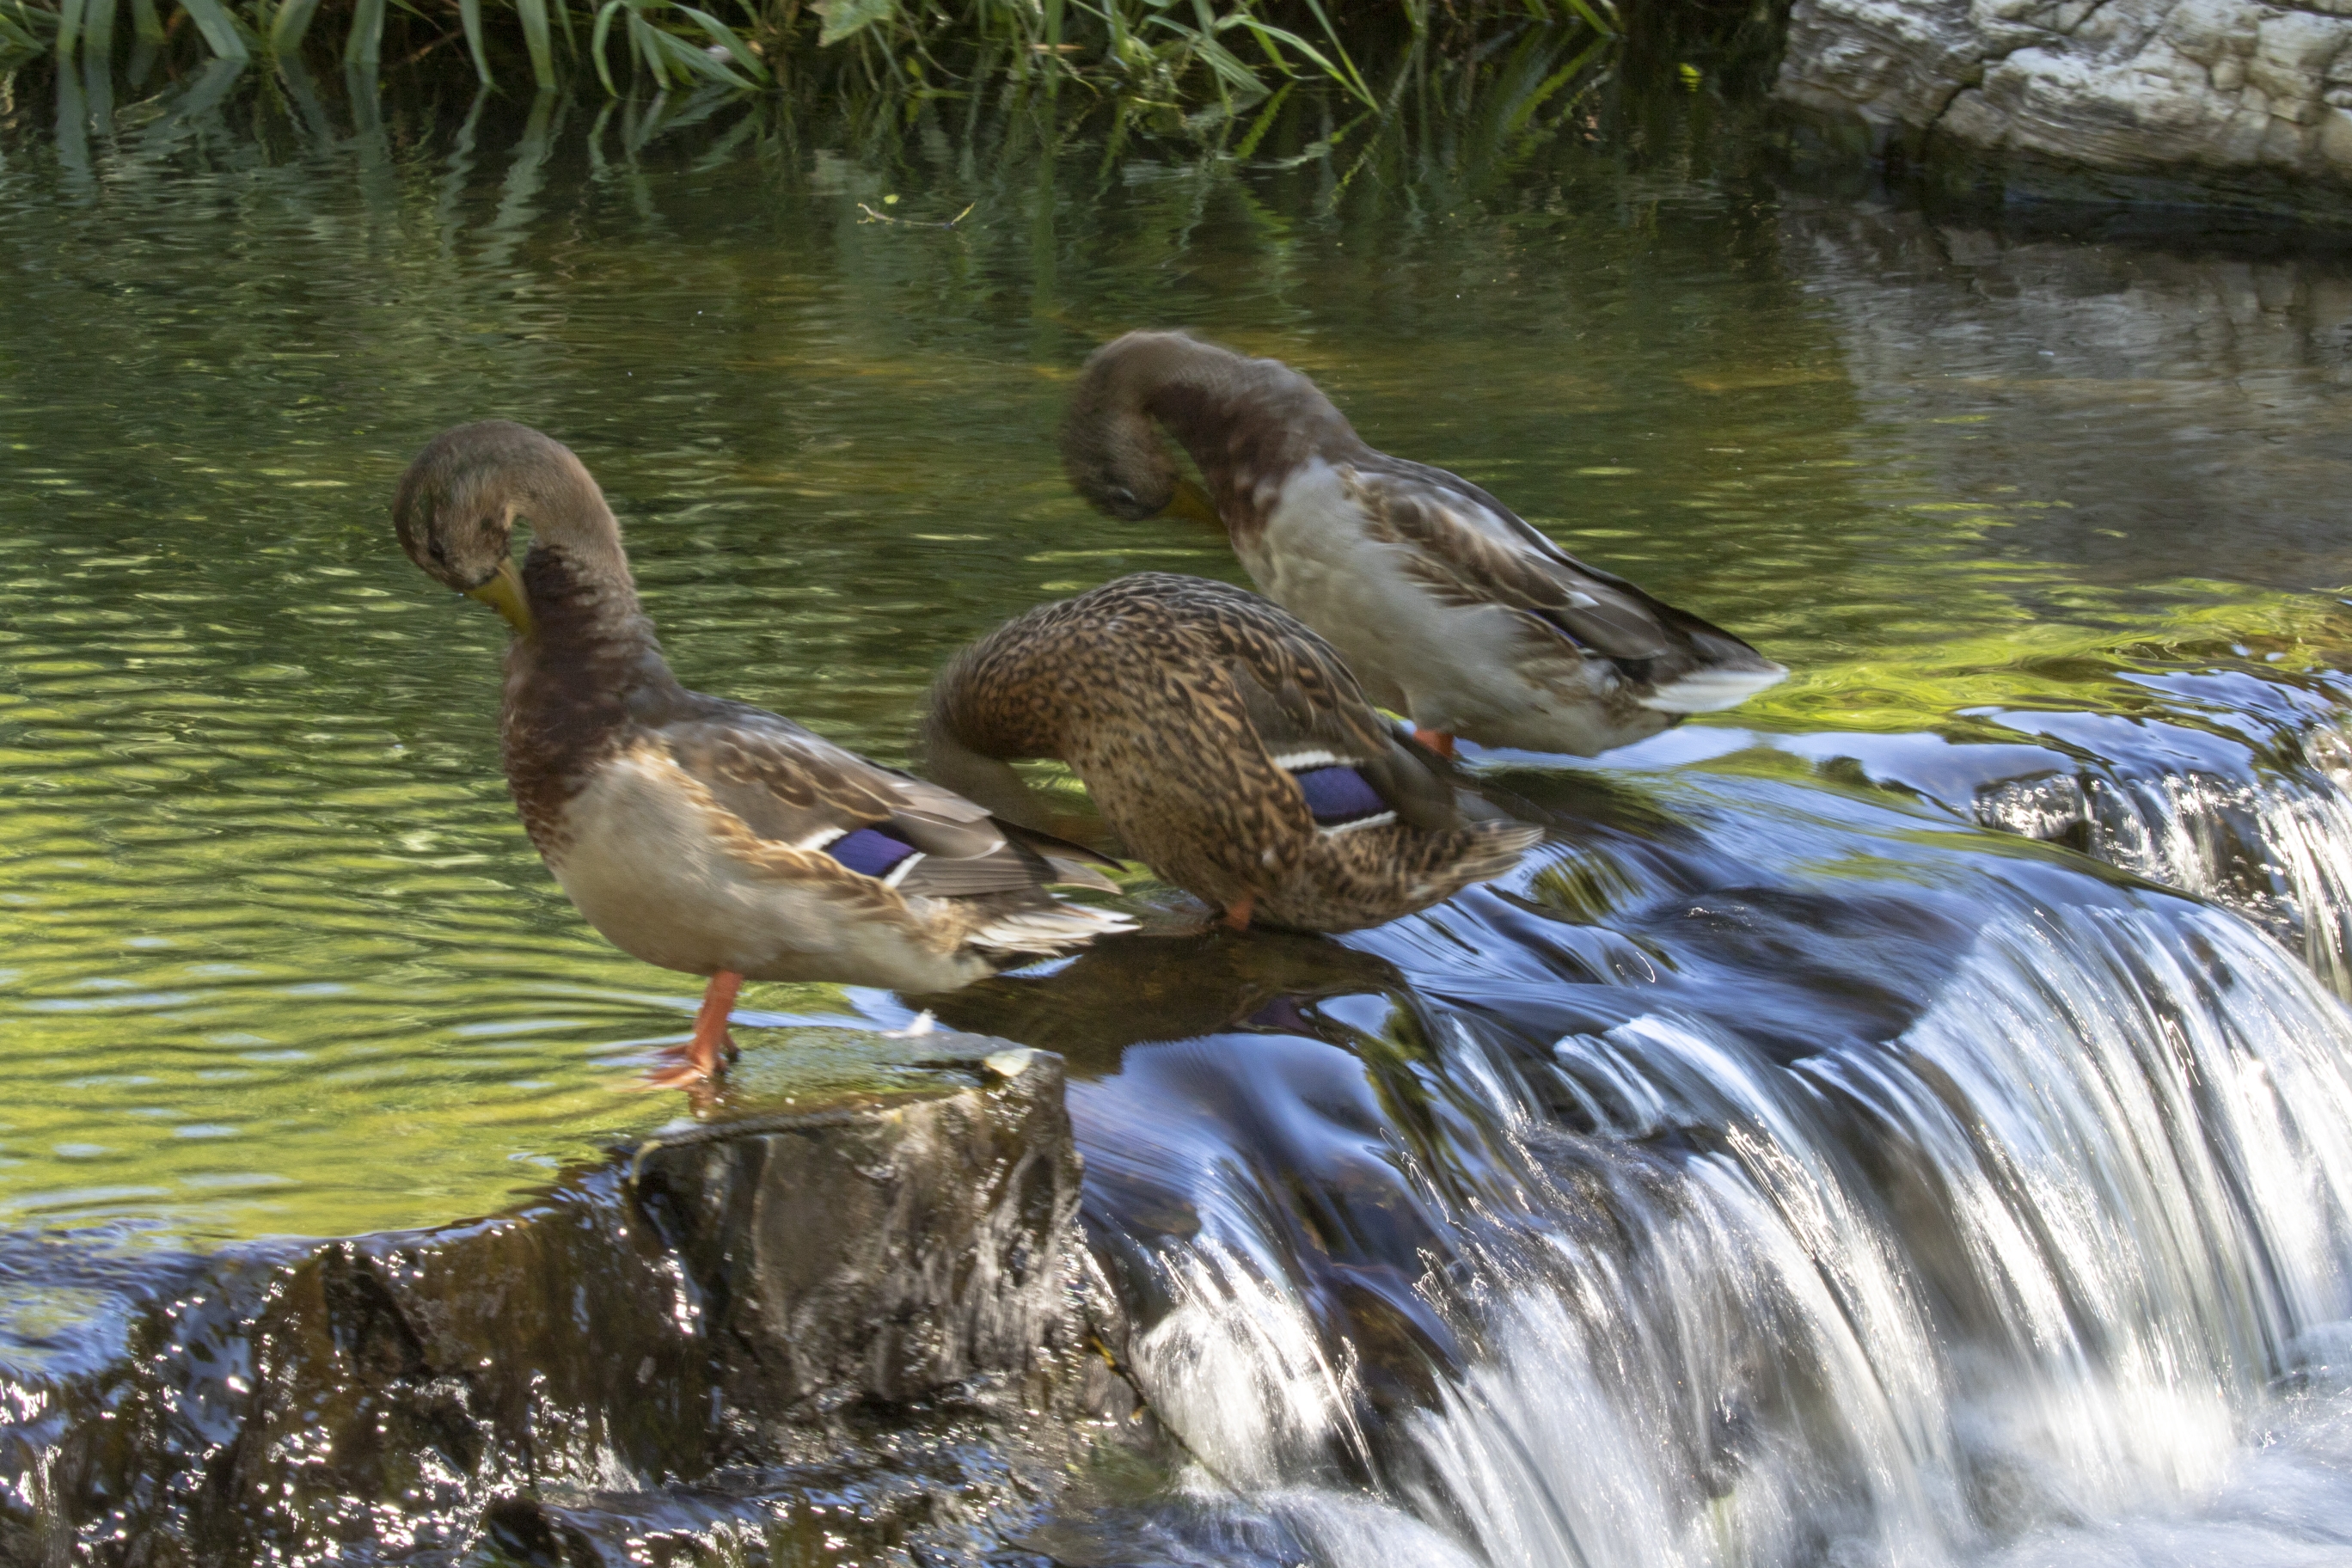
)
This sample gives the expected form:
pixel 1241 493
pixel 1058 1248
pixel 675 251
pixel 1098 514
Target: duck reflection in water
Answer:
pixel 1269 1049
pixel 1117 994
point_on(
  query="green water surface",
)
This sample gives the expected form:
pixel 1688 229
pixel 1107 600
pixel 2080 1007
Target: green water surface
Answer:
pixel 274 953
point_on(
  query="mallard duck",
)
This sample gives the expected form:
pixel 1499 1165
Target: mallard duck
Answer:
pixel 1226 745
pixel 1451 609
pixel 696 832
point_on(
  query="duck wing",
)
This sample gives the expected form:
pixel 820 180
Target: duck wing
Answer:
pixel 1312 716
pixel 798 791
pixel 1469 549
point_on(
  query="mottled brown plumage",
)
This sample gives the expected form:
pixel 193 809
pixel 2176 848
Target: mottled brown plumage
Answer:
pixel 1200 719
pixel 1448 605
pixel 696 832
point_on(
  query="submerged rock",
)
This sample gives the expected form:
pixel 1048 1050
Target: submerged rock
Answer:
pixel 872 1323
pixel 2239 101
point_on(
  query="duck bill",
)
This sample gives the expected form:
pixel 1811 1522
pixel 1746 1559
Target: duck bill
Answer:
pixel 504 593
pixel 1191 504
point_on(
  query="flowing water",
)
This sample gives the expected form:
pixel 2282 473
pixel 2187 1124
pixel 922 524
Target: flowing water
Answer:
pixel 1907 1122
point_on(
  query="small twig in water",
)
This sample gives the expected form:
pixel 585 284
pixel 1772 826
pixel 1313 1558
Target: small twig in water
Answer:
pixel 873 216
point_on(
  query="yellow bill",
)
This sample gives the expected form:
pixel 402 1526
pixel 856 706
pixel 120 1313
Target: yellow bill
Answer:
pixel 504 593
pixel 1193 503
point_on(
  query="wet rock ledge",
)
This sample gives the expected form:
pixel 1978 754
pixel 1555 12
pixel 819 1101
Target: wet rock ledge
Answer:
pixel 867 1332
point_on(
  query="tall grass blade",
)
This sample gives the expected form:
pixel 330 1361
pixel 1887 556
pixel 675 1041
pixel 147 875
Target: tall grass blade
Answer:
pixel 16 37
pixel 645 47
pixel 689 62
pixel 1592 16
pixel 1246 147
pixel 364 45
pixel 68 29
pixel 535 36
pixel 724 37
pixel 303 93
pixel 1268 35
pixel 292 22
pixel 1554 82
pixel 469 16
pixel 847 18
pixel 73 130
pixel 219 29
pixel 1233 75
pixel 98 33
pixel 1354 79
pixel 97 82
pixel 1153 55
pixel 596 44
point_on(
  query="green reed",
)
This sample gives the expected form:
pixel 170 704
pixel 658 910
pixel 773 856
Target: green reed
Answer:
pixel 1231 52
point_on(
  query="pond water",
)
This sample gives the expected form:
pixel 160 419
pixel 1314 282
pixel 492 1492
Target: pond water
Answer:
pixel 2049 529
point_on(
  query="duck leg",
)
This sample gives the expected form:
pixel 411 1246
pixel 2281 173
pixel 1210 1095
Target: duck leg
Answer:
pixel 1237 913
pixel 1437 741
pixel 710 1039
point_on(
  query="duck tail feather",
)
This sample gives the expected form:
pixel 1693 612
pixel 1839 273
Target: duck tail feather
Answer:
pixel 1495 848
pixel 1710 690
pixel 1073 873
pixel 1039 933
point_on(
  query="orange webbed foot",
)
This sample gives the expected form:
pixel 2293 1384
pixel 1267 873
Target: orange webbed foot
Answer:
pixel 680 1075
pixel 710 1046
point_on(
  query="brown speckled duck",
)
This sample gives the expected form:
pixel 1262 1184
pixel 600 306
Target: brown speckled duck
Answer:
pixel 696 832
pixel 1451 608
pixel 1226 744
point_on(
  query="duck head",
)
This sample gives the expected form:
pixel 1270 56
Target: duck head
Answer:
pixel 1111 446
pixel 456 506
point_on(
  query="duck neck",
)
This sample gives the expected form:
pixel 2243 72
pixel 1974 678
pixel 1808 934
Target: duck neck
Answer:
pixel 1247 423
pixel 584 599
pixel 590 662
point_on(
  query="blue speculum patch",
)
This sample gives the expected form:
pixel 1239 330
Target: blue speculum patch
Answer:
pixel 870 851
pixel 1339 795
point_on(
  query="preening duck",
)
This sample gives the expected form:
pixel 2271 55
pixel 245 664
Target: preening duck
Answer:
pixel 1449 607
pixel 694 833
pixel 1227 746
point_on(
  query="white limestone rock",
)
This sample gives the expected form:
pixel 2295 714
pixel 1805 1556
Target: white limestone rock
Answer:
pixel 2234 93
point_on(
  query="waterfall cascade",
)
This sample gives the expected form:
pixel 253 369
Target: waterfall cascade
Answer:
pixel 1782 1175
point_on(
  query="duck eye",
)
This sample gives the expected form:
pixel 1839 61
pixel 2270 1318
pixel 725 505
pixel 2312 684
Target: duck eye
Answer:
pixel 1120 492
pixel 432 548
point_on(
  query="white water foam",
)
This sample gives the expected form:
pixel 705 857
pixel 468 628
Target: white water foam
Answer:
pixel 2018 1288
pixel 2275 847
